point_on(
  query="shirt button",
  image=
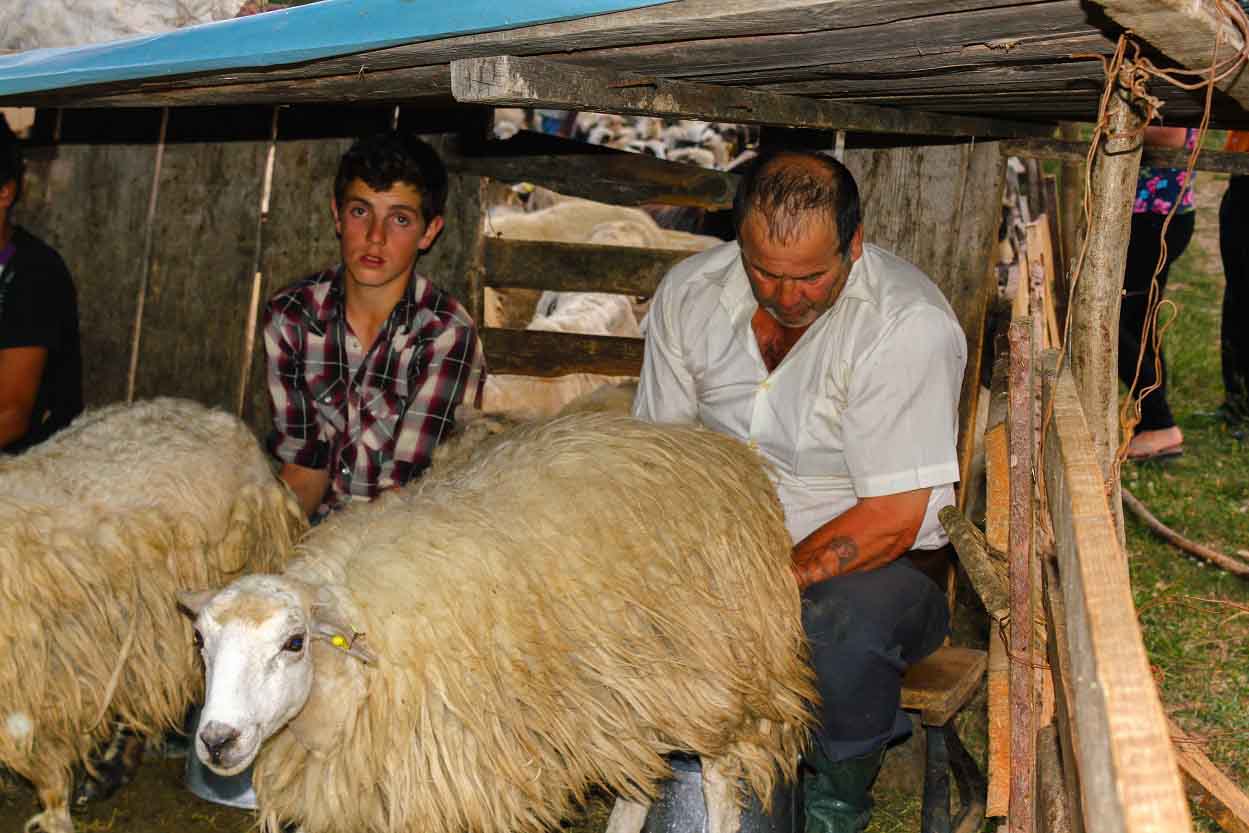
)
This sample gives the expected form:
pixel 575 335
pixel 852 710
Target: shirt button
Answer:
pixel 765 384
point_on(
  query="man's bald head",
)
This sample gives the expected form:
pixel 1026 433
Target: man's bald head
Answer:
pixel 789 189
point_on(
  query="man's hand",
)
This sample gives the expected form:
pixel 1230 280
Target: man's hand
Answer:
pixel 21 369
pixel 309 485
pixel 870 534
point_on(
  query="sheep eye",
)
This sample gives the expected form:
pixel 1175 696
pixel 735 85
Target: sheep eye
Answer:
pixel 295 644
pixel 198 640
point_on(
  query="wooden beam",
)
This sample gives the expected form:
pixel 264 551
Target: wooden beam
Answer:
pixel 1217 161
pixel 1128 771
pixel 1058 648
pixel 538 353
pixel 1094 338
pixel 1186 31
pixel 595 172
pixel 577 267
pixel 535 82
pixel 1023 727
pixel 1209 787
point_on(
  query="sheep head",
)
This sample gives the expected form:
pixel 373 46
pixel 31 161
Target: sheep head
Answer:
pixel 255 637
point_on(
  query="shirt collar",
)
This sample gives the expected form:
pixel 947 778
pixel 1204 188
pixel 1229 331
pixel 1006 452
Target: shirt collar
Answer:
pixel 330 303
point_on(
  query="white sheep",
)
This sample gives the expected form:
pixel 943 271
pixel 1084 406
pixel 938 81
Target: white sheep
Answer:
pixel 473 652
pixel 99 527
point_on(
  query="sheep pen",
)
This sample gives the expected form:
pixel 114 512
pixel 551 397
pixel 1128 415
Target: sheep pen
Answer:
pixel 102 524
pixel 576 599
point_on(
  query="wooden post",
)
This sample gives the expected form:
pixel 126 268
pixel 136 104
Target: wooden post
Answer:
pixel 1022 815
pixel 1071 209
pixel 1094 348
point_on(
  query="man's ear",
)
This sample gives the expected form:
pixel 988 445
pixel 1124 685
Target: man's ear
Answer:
pixel 431 233
pixel 856 244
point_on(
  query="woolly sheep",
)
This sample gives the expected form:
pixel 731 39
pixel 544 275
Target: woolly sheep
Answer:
pixel 581 597
pixel 99 527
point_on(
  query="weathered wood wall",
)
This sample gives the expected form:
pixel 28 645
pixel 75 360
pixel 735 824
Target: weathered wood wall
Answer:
pixel 934 205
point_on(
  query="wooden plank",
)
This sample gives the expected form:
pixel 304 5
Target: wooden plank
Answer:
pixel 1058 648
pixel 199 286
pixel 577 267
pixel 72 199
pixel 1053 801
pixel 538 353
pixel 595 172
pixel 1216 161
pixel 1021 816
pixel 942 683
pixel 1040 256
pixel 997 801
pixel 1187 32
pixel 535 82
pixel 1128 770
pixel 1208 786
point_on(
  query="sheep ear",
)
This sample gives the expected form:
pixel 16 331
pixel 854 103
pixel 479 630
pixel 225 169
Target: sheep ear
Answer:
pixel 347 639
pixel 191 602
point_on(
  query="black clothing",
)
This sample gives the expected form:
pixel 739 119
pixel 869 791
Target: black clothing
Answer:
pixel 1142 258
pixel 39 308
pixel 1234 246
pixel 864 629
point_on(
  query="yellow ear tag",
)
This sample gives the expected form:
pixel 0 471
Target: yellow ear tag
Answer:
pixel 338 642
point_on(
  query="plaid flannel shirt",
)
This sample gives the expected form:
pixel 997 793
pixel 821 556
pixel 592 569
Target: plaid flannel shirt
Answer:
pixel 376 428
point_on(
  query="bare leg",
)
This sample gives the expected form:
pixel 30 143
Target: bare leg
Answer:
pixel 627 816
pixel 724 814
pixel 54 796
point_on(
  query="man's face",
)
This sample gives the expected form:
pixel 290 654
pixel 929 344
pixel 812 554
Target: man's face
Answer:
pixel 382 233
pixel 796 281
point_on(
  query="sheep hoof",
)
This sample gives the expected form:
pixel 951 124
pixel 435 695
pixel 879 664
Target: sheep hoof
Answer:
pixel 50 821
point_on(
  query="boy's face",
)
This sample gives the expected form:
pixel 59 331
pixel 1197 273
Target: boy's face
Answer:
pixel 381 233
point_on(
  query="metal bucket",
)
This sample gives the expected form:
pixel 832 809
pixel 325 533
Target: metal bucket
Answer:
pixel 680 808
pixel 230 790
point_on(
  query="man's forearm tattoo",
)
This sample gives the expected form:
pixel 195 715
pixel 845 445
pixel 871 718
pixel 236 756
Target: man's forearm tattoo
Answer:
pixel 833 560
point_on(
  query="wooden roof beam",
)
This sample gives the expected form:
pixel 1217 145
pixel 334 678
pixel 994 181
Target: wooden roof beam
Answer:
pixel 535 82
pixel 1218 161
pixel 1185 31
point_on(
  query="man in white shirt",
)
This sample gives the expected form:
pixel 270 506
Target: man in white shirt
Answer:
pixel 841 364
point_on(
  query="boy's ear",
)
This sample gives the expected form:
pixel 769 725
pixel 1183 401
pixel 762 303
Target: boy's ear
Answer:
pixel 338 225
pixel 8 195
pixel 431 232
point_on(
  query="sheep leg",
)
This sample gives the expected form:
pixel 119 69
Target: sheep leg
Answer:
pixel 720 797
pixel 54 796
pixel 627 816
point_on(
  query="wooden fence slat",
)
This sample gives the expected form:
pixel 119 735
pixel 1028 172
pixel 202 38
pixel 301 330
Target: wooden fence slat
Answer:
pixel 1128 769
pixel 1058 647
pixel 576 267
pixel 540 353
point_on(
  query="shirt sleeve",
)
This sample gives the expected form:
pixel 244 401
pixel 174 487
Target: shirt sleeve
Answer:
pixel 296 436
pixel 901 416
pixel 452 369
pixel 666 391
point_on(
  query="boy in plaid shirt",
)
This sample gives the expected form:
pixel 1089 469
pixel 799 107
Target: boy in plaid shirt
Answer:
pixel 367 361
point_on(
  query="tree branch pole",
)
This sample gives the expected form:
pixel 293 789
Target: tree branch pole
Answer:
pixel 1023 446
pixel 1094 347
pixel 1233 565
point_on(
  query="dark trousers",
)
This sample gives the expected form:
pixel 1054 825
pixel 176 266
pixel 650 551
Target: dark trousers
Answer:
pixel 1234 246
pixel 1142 258
pixel 864 629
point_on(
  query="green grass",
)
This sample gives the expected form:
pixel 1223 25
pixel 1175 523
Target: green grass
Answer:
pixel 1195 617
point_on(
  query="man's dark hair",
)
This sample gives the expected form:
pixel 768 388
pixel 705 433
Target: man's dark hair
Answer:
pixel 783 192
pixel 383 159
pixel 12 167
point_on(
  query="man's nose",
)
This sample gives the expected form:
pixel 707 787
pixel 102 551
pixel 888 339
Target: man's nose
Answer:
pixel 788 293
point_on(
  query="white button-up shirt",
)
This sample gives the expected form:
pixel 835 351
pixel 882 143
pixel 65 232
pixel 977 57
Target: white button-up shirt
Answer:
pixel 864 404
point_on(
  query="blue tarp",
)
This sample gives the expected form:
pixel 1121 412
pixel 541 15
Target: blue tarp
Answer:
pixel 302 33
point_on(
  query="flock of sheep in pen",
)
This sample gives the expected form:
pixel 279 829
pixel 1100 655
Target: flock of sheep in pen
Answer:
pixel 546 610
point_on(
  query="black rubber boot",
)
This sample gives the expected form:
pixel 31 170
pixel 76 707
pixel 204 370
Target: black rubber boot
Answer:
pixel 836 795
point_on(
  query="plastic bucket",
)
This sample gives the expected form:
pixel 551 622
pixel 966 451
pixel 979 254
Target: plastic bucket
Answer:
pixel 679 807
pixel 230 790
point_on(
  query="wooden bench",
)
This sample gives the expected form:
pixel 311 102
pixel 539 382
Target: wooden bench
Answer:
pixel 938 687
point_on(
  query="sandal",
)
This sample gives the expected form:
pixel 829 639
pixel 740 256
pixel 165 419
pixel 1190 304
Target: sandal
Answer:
pixel 1168 452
